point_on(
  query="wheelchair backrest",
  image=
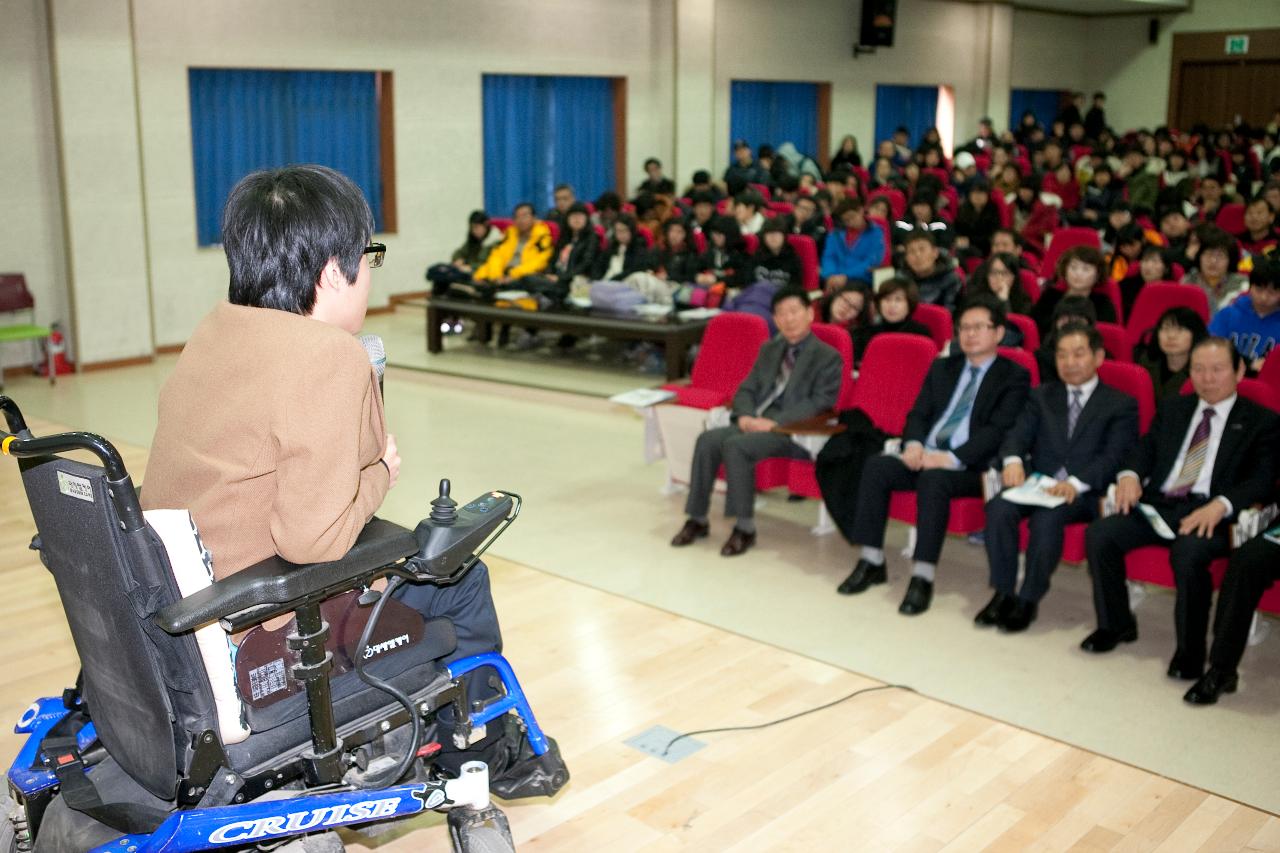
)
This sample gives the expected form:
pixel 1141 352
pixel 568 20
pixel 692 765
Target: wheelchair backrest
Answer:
pixel 146 690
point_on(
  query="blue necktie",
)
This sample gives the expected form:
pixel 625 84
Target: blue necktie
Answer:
pixel 960 413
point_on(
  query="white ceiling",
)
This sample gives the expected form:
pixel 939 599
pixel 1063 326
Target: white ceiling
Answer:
pixel 1106 7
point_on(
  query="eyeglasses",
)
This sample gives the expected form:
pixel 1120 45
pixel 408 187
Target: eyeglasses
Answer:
pixel 376 252
pixel 975 327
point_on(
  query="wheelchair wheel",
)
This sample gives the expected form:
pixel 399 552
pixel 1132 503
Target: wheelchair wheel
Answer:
pixel 485 839
pixel 13 826
pixel 326 842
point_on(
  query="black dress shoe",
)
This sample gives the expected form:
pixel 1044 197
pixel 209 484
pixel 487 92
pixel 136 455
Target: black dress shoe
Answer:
pixel 864 574
pixel 995 611
pixel 1020 616
pixel 1185 668
pixel 1211 685
pixel 692 530
pixel 1104 639
pixel 918 597
pixel 737 543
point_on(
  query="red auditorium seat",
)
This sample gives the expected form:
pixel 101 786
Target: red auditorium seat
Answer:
pixel 1230 218
pixel 1061 240
pixel 1134 381
pixel 800 476
pixel 1026 358
pixel 554 229
pixel 1116 341
pixel 937 319
pixel 1270 373
pixel 725 356
pixel 501 223
pixel 897 201
pixel 700 241
pixel 1156 298
pixel 1030 334
pixel 807 251
pixel 1030 284
pixel 750 243
pixel 764 192
pixel 646 233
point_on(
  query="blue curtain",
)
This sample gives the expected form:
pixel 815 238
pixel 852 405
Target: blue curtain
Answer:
pixel 912 107
pixel 543 131
pixel 1043 102
pixel 774 113
pixel 244 120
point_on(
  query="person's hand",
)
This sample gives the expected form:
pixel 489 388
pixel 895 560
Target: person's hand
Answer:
pixel 462 265
pixel 1064 489
pixel 706 278
pixel 1256 365
pixel 962 242
pixel 392 460
pixel 1013 475
pixel 765 424
pixel 836 282
pixel 1202 521
pixel 913 456
pixel 936 459
pixel 1128 493
pixel 1091 214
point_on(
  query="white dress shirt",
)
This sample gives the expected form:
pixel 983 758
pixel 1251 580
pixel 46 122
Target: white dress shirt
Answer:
pixel 1217 426
pixel 1086 391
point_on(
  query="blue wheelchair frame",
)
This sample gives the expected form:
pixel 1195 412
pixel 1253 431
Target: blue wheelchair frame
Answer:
pixel 236 825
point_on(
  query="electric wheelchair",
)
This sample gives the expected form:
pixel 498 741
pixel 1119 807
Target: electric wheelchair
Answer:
pixel 174 740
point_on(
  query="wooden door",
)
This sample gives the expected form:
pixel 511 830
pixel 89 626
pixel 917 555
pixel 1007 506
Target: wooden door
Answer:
pixel 1215 92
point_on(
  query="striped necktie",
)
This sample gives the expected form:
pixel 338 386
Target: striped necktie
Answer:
pixel 1073 411
pixel 958 415
pixel 1196 453
pixel 784 376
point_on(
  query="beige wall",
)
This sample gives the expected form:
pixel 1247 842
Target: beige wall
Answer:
pixel 135 266
pixel 30 215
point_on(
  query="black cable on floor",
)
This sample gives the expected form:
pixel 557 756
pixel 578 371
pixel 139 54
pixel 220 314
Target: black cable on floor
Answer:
pixel 831 704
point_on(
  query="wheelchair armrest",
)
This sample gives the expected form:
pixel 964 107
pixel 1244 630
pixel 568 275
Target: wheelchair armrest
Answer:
pixel 276 586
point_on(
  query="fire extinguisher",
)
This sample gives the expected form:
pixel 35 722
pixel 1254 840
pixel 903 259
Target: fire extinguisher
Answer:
pixel 56 353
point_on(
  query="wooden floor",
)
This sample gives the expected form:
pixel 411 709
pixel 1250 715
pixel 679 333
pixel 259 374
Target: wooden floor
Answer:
pixel 889 770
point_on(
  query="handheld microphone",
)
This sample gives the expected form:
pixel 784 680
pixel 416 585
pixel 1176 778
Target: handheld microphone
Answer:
pixel 377 357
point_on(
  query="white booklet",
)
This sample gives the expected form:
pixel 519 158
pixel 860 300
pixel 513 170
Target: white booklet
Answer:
pixel 642 398
pixel 1034 491
pixel 1157 523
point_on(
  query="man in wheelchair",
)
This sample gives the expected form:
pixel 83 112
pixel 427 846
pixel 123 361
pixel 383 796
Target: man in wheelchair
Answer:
pixel 249 675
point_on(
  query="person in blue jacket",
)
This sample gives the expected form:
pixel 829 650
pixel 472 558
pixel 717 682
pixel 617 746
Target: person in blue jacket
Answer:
pixel 854 249
pixel 1252 321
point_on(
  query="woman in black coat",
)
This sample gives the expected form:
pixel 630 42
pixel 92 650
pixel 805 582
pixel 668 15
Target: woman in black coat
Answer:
pixel 626 252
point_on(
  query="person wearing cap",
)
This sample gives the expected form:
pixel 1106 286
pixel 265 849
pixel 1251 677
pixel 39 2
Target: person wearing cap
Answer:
pixel 744 169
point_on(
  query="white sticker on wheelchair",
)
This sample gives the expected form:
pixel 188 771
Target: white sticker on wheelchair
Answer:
pixel 267 679
pixel 76 487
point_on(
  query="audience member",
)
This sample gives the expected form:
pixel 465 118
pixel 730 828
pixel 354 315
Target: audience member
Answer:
pixel 701 183
pixel 1259 236
pixel 775 261
pixel 677 261
pixel 1033 219
pixel 846 155
pixel 1099 195
pixel 1153 266
pixel 467 258
pixel 850 307
pixel 854 250
pixel 1095 121
pixel 1254 567
pixel 936 279
pixel 998 276
pixel 655 182
pixel 607 206
pixel 1252 321
pixel 724 262
pixel 1167 355
pixel 574 256
pixel 1081 270
pixel 525 249
pixel 806 218
pixel 1206 457
pixel 795 377
pixel 968 402
pixel 1126 250
pixel 1209 197
pixel 625 253
pixel 744 168
pixel 704 211
pixel 922 215
pixel 747 209
pixel 896 300
pixel 1070 309
pixel 1076 431
pixel 563 198
pixel 977 219
pixel 1214 271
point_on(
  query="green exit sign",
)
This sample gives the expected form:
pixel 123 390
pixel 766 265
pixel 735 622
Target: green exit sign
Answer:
pixel 1237 45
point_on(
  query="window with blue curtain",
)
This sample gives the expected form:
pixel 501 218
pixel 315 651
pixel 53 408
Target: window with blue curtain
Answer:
pixel 243 120
pixel 1043 103
pixel 542 131
pixel 912 107
pixel 771 113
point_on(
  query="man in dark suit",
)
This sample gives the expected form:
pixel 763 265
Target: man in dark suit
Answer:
pixel 795 376
pixel 1254 567
pixel 1077 431
pixel 968 402
pixel 1205 457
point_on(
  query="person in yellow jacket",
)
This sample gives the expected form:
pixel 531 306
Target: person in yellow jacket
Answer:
pixel 525 250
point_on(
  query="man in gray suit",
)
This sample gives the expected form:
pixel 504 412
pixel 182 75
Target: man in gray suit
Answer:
pixel 796 376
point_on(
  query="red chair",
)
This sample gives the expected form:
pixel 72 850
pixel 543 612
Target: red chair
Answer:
pixel 1270 373
pixel 807 251
pixel 1005 209
pixel 728 350
pixel 839 339
pixel 1025 358
pixel 1115 341
pixel 750 242
pixel 887 260
pixel 939 173
pixel 897 201
pixel 554 229
pixel 892 374
pixel 725 205
pixel 647 233
pixel 1134 381
pixel 700 241
pixel 937 319
pixel 1112 290
pixel 972 263
pixel 1251 389
pixel 604 237
pixel 764 192
pixel 1230 218
pixel 501 223
pixel 1061 240
pixel 779 208
pixel 801 478
pixel 1156 298
pixel 1030 334
pixel 628 207
pixel 1078 151
pixel 1030 284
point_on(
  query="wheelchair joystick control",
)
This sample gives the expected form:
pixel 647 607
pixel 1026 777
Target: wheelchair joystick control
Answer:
pixel 444 509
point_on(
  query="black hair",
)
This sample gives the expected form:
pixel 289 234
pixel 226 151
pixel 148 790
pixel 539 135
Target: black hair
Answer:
pixel 1019 300
pixel 515 211
pixel 702 197
pixel 1180 316
pixel 908 288
pixel 919 235
pixel 986 302
pixel 652 161
pixel 1212 237
pixel 1129 233
pixel 280 227
pixel 1074 306
pixel 1091 334
pixel 560 187
pixel 788 293
pixel 1266 273
pixel 702 176
pixel 1014 235
pixel 1223 343
pixel 750 198
pixel 846 204
pixel 478 217
pixel 609 200
pixel 728 226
